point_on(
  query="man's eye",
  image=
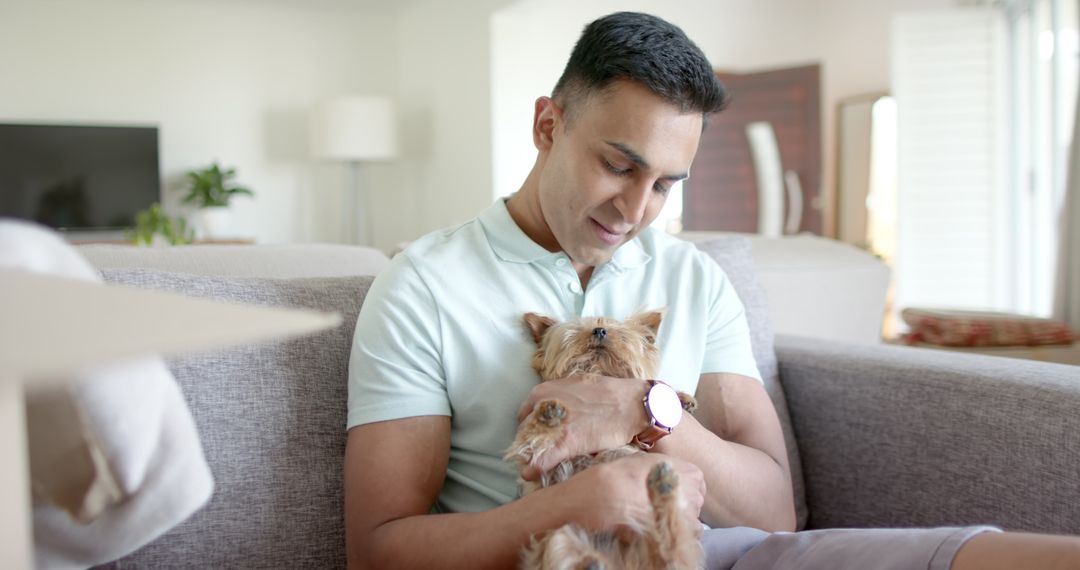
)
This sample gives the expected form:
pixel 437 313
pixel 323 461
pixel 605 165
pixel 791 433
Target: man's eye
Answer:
pixel 661 188
pixel 616 170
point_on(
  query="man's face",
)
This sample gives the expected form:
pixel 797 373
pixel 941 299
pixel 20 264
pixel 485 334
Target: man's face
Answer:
pixel 606 174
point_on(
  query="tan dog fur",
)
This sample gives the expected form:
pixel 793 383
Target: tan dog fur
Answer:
pixel 627 350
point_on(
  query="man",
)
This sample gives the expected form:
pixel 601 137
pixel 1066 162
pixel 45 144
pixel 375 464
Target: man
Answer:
pixel 440 371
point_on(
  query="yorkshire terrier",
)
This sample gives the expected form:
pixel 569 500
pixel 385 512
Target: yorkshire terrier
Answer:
pixel 599 345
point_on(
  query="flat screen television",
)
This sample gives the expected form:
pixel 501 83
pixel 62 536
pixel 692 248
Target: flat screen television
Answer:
pixel 78 178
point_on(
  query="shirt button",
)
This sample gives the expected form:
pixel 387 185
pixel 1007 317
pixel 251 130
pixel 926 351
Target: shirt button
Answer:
pixel 561 262
pixel 574 286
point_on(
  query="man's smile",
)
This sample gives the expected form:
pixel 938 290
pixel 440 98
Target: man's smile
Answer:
pixel 606 234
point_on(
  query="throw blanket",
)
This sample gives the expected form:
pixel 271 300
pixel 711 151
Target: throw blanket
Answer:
pixel 115 459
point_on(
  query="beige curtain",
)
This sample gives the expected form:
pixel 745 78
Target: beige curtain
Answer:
pixel 1067 286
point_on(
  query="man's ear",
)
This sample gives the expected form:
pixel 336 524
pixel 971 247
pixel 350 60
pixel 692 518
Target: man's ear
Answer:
pixel 650 320
pixel 545 115
pixel 538 325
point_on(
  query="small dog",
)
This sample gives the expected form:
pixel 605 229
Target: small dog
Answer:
pixel 604 346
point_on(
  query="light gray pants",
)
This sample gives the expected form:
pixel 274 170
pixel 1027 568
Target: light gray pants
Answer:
pixel 835 549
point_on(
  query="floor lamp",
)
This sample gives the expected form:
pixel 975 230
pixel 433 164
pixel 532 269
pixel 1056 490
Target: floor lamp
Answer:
pixel 54 328
pixel 354 130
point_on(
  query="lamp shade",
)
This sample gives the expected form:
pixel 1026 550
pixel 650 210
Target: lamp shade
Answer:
pixel 354 128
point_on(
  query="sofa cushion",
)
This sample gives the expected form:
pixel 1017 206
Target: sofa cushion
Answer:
pixel 733 253
pixel 794 269
pixel 272 421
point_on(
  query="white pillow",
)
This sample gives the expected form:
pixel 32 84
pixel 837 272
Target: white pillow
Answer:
pixel 115 457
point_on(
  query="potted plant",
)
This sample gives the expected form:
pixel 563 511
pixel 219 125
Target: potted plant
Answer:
pixel 210 190
pixel 154 227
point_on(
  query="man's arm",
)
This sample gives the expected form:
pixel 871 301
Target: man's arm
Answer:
pixel 395 469
pixel 735 438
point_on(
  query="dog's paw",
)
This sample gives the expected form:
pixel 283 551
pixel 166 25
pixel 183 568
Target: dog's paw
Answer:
pixel 525 450
pixel 539 434
pixel 550 413
pixel 688 402
pixel 519 454
pixel 662 480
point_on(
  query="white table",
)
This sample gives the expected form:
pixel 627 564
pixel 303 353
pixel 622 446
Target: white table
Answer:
pixel 53 327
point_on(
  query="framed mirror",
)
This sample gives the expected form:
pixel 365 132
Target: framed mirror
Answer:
pixel 866 173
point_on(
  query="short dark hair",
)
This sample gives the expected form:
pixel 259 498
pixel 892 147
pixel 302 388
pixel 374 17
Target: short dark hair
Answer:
pixel 646 49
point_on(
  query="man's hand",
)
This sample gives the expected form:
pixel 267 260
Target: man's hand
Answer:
pixel 601 413
pixel 614 496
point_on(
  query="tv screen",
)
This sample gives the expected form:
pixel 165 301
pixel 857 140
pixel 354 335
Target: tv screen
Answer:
pixel 78 177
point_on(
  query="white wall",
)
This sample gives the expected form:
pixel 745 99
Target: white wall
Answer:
pixel 854 43
pixel 231 81
pixel 850 38
pixel 444 93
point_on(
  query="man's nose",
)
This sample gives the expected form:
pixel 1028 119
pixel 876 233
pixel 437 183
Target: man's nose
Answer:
pixel 632 204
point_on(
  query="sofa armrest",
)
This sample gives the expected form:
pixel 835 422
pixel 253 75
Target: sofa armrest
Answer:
pixel 896 436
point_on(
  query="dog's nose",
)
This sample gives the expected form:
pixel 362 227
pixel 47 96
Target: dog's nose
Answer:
pixel 599 333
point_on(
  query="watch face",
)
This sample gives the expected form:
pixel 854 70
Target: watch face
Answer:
pixel 664 405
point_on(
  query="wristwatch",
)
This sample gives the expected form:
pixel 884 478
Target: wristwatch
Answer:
pixel 664 410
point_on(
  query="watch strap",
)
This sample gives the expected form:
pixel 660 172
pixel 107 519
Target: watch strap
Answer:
pixel 654 432
pixel 648 438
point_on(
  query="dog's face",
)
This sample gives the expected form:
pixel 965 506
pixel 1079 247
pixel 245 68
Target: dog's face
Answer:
pixel 596 345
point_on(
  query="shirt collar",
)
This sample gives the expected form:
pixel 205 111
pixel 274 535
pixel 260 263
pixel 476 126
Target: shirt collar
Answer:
pixel 507 240
pixel 631 255
pixel 511 244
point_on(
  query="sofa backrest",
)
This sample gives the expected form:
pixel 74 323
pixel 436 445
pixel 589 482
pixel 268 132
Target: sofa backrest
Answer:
pixel 271 417
pixel 275 261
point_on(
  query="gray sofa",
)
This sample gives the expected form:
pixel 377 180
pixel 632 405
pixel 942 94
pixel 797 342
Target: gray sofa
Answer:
pixel 878 435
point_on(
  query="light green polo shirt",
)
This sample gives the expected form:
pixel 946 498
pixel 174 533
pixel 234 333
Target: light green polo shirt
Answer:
pixel 441 333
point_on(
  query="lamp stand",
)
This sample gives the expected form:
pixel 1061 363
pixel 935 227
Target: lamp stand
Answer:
pixel 355 219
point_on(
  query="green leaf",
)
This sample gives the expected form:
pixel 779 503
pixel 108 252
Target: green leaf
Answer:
pixel 154 221
pixel 211 187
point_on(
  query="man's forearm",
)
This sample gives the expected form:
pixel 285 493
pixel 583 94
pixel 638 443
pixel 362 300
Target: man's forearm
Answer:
pixel 603 498
pixel 746 487
pixel 489 539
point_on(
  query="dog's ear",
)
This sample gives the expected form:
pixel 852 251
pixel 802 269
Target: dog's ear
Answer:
pixel 650 320
pixel 538 325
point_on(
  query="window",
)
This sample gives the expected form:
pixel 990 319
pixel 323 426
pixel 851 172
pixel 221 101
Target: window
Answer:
pixel 1044 57
pixel 986 97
